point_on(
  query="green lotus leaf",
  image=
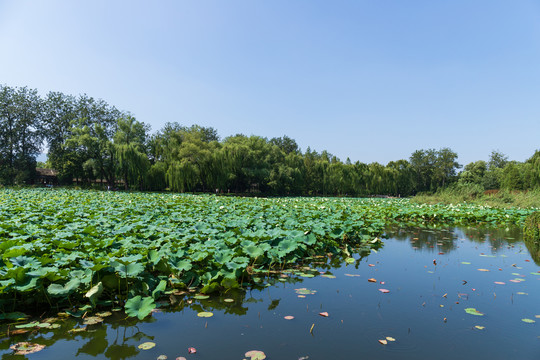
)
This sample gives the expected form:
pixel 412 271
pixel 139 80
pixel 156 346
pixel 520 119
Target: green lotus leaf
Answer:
pixel 66 289
pixel 139 307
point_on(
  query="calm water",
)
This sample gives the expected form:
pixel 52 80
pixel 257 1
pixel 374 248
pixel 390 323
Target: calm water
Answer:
pixel 424 310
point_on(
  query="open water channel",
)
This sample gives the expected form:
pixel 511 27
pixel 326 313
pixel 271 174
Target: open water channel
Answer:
pixel 413 294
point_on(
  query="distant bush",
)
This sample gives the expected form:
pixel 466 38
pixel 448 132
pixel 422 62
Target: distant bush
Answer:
pixel 531 229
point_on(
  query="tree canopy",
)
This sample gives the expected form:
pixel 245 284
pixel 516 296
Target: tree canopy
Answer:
pixel 89 141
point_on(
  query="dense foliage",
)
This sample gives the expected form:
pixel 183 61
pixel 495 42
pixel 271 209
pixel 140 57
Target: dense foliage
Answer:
pixel 67 246
pixel 88 142
pixel 531 228
pixel 91 141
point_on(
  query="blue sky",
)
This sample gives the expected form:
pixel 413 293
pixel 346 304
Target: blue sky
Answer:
pixel 369 80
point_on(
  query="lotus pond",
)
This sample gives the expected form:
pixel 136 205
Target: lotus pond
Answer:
pixel 450 293
pixel 117 276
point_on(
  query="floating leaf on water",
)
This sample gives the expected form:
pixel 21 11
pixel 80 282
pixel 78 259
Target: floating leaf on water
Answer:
pixel 205 314
pixel 104 314
pixel 228 300
pixel 528 321
pixel 535 273
pixel 24 348
pixel 18 331
pixel 33 324
pixel 522 293
pixel 181 358
pixel 76 330
pixel 389 338
pixel 288 317
pixel 162 357
pixel 499 283
pixel 329 276
pixel 372 280
pixel 324 314
pixel 306 275
pixel 146 345
pixel 473 311
pixel 383 342
pixel 479 327
pixel 255 355
pixel 350 260
pixel 301 296
pixel 92 320
pixel 384 291
pixel 485 270
pixel 52 326
pixel 466 263
pixel 304 291
pixel 352 275
pixel 537 316
pixel 201 297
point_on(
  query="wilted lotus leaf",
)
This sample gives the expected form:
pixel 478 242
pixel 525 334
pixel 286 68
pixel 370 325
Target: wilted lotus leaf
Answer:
pixel 104 314
pixel 24 348
pixel 77 330
pixel 255 355
pixel 92 320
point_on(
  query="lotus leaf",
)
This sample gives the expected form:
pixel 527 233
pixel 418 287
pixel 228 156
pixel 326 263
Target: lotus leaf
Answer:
pixel 140 307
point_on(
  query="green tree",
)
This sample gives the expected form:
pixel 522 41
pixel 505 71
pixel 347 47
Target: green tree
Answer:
pixel 130 148
pixel 21 134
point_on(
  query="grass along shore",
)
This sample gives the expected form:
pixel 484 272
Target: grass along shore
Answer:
pixel 475 194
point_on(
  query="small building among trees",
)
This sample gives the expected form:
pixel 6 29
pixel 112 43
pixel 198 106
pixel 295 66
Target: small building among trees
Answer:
pixel 46 176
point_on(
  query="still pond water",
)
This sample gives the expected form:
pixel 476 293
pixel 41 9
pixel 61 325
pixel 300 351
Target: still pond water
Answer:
pixel 431 276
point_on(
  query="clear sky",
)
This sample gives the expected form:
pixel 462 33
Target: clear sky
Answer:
pixel 370 80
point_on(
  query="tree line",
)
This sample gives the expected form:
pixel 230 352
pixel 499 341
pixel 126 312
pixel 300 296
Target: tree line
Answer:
pixel 88 140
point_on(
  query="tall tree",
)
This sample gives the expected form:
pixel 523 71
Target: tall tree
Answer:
pixel 21 134
pixel 130 149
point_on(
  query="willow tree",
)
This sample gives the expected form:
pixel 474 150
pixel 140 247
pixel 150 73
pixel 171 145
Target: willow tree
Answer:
pixel 129 143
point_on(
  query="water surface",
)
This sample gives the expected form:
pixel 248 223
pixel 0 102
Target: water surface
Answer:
pixel 432 276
